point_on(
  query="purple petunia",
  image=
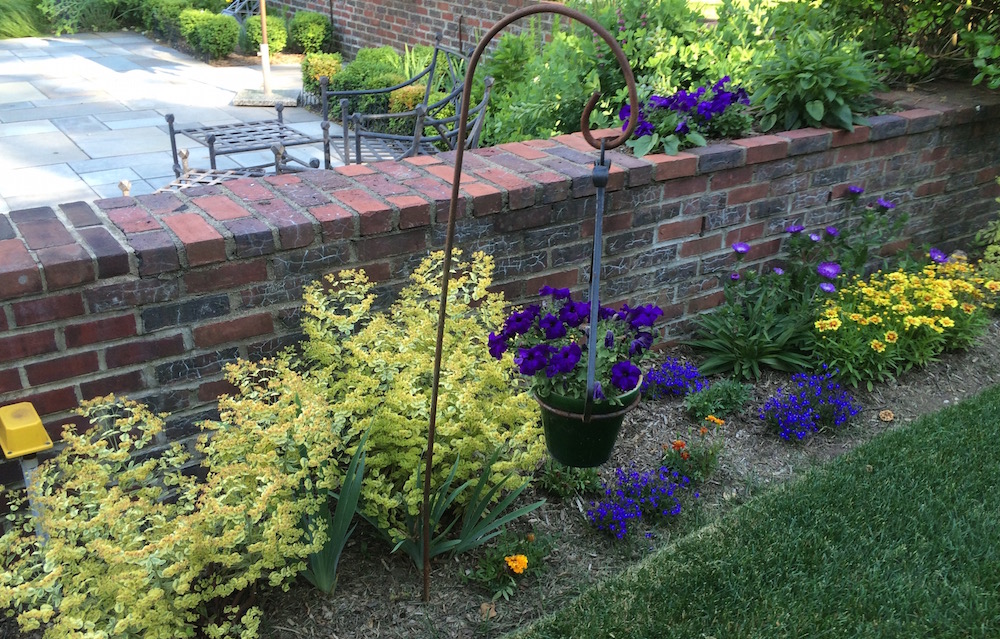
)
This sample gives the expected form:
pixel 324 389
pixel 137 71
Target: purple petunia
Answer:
pixel 625 375
pixel 832 231
pixel 497 345
pixel 829 270
pixel 644 315
pixel 552 327
pixel 563 360
pixel 885 204
pixel 815 237
pixel 531 360
pixel 827 287
pixel 520 322
pixel 641 343
pixel 575 313
pixel 556 293
pixel 938 256
pixel 741 247
pixel 855 190
pixel 795 228
pixel 609 339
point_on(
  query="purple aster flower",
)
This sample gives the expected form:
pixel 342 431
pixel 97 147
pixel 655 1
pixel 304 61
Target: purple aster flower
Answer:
pixel 778 270
pixel 832 231
pixel 553 328
pixel 575 313
pixel 827 287
pixel 741 247
pixel 563 360
pixel 625 375
pixel 815 237
pixel 938 256
pixel 855 190
pixel 556 293
pixel 531 360
pixel 829 270
pixel 609 339
pixel 795 228
pixel 885 204
pixel 734 276
pixel 497 345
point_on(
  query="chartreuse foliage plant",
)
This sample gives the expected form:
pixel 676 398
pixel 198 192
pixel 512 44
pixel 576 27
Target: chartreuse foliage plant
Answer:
pixel 880 327
pixel 376 371
pixel 309 32
pixel 134 547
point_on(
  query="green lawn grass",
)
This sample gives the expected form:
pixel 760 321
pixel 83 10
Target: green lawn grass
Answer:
pixel 900 538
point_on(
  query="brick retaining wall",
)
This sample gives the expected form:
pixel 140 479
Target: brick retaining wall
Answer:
pixel 149 296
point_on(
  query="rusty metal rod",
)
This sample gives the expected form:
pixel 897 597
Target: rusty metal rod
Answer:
pixel 633 98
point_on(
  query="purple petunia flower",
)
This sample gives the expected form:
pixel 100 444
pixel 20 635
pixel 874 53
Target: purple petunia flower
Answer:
pixel 795 228
pixel 625 375
pixel 520 322
pixel 855 190
pixel 832 231
pixel 641 343
pixel 553 328
pixel 497 345
pixel 938 256
pixel 575 313
pixel 609 339
pixel 556 293
pixel 598 391
pixel 827 287
pixel 531 360
pixel 644 315
pixel 829 270
pixel 885 204
pixel 734 276
pixel 563 360
pixel 778 270
pixel 815 237
pixel 741 247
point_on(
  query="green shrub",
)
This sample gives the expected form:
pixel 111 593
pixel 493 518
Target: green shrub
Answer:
pixel 21 19
pixel 84 15
pixel 136 547
pixel 406 98
pixel 250 36
pixel 567 482
pixel 315 66
pixel 812 78
pixel 216 36
pixel 163 16
pixel 188 22
pixel 720 399
pixel 377 368
pixel 310 32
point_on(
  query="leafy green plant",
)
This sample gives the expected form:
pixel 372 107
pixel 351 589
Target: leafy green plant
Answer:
pixel 510 559
pixel 251 35
pixel 317 65
pixel 372 68
pixel 21 19
pixel 722 398
pixel 309 32
pixel 812 78
pixel 86 15
pixel 988 239
pixel 567 482
pixel 188 22
pixel 697 455
pixel 216 35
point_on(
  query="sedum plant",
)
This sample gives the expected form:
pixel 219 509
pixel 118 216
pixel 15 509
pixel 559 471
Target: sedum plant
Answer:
pixel 376 368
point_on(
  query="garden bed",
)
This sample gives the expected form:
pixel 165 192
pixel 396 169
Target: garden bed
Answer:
pixel 378 594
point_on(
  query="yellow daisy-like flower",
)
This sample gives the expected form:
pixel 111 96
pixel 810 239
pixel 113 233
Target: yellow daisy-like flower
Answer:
pixel 877 346
pixel 992 286
pixel 968 308
pixel 830 313
pixel 855 317
pixel 947 322
pixel 516 563
pixel 875 319
pixel 891 337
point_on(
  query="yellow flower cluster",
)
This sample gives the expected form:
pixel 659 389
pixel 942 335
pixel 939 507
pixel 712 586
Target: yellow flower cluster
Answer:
pixel 517 563
pixel 715 420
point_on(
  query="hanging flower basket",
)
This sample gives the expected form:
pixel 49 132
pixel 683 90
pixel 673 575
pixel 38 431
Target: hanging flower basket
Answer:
pixel 574 441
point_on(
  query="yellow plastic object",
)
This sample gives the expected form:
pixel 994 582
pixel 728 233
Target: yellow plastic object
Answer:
pixel 21 431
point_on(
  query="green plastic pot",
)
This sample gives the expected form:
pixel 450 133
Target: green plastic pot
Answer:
pixel 571 440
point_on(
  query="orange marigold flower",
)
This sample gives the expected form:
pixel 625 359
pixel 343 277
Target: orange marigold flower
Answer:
pixel 679 444
pixel 685 455
pixel 703 430
pixel 516 563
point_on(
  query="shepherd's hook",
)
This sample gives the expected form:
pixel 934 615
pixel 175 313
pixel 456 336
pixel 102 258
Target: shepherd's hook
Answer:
pixel 633 99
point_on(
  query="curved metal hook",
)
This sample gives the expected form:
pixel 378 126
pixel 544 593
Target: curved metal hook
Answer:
pixel 603 143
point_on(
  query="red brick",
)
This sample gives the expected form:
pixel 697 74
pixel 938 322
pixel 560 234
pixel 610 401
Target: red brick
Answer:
pixel 744 194
pixel 335 221
pixel 565 279
pixel 249 190
pixel 229 275
pixel 27 345
pixel 701 245
pixel 575 141
pixel 745 234
pixel 990 190
pixel 374 248
pixel 282 180
pixel 892 146
pixel 423 160
pixel 413 211
pixel 705 302
pixel 447 173
pixel 202 243
pixel 3 319
pixel 354 170
pixel 18 272
pixel 133 220
pixel 375 215
pixel 668 167
pixel 842 137
pixel 988 174
pixel 679 229
pixel 220 207
pixel 39 234
pixel 763 148
pixel 854 153
pixel 520 193
pixel 53 401
pixel 522 150
pixel 117 384
pixel 685 186
pixel 487 199
pixel 555 187
pixel 760 251
pixel 212 391
pixel 930 188
pixel 233 330
pixel 66 266
pixel 936 154
pixel 295 230
pixel 610 224
pixel 138 352
pixel 62 368
pixel 47 309
pixel 102 330
pixel 726 179
pixel 10 380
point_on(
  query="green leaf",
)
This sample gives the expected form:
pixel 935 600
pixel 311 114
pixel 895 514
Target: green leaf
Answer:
pixel 767 122
pixel 815 110
pixel 696 139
